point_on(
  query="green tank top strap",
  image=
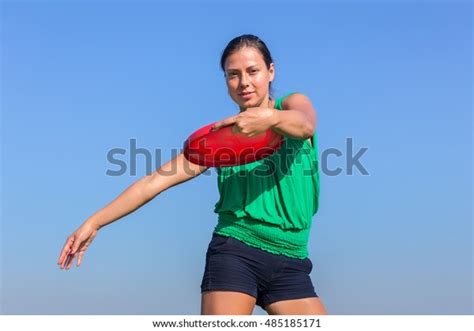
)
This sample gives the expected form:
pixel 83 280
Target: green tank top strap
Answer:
pixel 279 101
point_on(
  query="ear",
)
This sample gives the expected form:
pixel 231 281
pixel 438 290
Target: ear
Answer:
pixel 271 71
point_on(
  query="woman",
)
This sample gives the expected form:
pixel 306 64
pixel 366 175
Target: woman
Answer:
pixel 258 252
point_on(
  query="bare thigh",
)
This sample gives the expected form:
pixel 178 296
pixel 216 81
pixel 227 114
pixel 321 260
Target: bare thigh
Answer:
pixel 306 306
pixel 226 303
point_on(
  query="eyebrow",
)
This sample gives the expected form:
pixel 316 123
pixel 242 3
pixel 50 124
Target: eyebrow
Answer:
pixel 234 69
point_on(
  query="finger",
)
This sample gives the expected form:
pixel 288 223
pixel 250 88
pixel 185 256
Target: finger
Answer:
pixel 75 251
pixel 235 129
pixel 225 122
pixel 65 250
pixel 65 261
pixel 65 247
pixel 75 247
pixel 71 260
pixel 79 258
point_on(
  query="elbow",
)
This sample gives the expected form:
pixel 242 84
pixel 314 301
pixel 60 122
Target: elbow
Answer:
pixel 309 130
pixel 152 185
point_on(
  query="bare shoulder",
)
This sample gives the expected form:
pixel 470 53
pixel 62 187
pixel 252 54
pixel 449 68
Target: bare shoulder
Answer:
pixel 297 101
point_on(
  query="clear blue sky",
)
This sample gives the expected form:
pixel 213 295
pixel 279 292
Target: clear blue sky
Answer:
pixel 78 80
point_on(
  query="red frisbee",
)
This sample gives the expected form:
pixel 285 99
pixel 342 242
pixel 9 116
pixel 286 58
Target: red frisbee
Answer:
pixel 222 147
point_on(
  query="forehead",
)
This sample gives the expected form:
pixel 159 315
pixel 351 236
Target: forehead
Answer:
pixel 244 57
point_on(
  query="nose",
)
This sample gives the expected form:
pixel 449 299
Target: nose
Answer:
pixel 244 81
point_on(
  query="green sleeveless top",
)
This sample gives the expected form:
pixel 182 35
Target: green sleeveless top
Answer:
pixel 269 204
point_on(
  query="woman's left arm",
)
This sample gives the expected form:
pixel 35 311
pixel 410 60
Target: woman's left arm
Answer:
pixel 298 118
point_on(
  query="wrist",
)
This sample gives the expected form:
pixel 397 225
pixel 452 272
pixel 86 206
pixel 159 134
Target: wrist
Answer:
pixel 274 119
pixel 94 223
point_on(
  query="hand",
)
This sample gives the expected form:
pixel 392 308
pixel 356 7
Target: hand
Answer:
pixel 76 245
pixel 250 122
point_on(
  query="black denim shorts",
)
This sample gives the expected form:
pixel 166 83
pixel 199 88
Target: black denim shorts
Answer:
pixel 232 265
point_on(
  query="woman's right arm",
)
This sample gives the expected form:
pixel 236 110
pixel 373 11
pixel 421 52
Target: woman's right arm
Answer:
pixel 174 172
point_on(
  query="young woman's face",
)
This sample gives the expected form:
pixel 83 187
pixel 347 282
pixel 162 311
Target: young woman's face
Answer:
pixel 247 78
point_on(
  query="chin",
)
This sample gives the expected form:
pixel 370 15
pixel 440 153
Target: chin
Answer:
pixel 248 104
pixel 253 102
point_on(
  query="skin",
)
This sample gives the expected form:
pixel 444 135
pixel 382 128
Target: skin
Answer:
pixel 237 303
pixel 245 70
pixel 257 114
pixel 136 195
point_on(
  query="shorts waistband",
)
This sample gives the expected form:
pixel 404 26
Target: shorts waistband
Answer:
pixel 267 236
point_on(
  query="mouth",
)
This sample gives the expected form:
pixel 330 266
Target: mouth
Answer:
pixel 246 94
